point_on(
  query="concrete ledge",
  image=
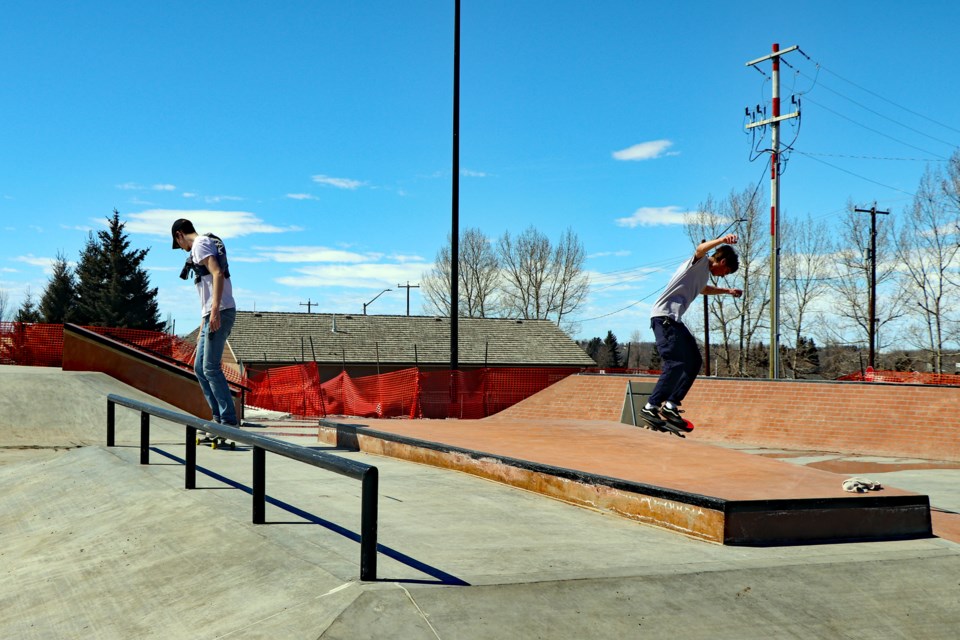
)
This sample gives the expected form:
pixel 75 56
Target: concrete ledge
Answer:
pixel 725 520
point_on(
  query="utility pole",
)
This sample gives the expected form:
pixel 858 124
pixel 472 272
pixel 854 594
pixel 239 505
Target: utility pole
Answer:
pixel 309 305
pixel 455 204
pixel 872 329
pixel 706 333
pixel 408 286
pixel 774 123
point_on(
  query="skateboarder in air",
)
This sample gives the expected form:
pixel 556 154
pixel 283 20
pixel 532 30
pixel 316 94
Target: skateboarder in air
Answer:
pixel 211 275
pixel 679 352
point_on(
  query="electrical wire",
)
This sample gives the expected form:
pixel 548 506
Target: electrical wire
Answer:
pixel 859 124
pixel 857 175
pixel 877 95
pixel 885 117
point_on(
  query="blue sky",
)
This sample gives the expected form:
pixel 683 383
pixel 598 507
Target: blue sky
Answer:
pixel 315 137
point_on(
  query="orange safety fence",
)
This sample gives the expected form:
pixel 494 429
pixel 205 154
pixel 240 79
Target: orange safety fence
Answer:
pixel 903 377
pixel 41 345
pixel 409 393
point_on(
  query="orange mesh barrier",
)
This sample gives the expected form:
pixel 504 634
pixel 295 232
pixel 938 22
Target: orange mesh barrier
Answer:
pixel 41 345
pixel 31 345
pixel 406 393
pixel 903 377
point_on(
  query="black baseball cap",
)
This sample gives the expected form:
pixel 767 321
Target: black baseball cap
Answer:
pixel 182 225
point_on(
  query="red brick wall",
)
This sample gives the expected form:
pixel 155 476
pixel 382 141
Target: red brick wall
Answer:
pixel 921 421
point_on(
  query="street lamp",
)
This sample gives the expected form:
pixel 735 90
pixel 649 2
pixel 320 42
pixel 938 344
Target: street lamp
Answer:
pixel 367 304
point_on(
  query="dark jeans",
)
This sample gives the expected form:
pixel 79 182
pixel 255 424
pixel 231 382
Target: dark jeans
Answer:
pixel 680 358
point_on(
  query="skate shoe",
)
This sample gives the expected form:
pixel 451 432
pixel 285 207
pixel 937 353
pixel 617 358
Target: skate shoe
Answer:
pixel 672 415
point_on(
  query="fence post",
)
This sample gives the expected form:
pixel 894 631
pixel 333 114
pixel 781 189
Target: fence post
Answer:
pixel 144 437
pixel 368 524
pixel 111 423
pixel 190 474
pixel 259 485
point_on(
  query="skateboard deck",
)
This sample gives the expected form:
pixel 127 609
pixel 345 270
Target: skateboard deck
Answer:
pixel 669 428
pixel 217 443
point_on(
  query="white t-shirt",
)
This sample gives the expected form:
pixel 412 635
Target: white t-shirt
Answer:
pixel 203 248
pixel 688 281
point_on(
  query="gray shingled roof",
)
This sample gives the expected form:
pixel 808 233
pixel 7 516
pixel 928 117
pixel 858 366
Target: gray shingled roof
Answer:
pixel 276 337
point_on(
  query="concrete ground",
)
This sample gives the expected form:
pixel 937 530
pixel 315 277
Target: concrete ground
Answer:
pixel 96 545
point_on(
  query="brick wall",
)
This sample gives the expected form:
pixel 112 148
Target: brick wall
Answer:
pixel 921 421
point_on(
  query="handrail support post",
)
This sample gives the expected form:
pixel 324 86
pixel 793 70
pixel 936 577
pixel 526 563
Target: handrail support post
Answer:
pixel 190 473
pixel 111 423
pixel 144 437
pixel 368 524
pixel 259 486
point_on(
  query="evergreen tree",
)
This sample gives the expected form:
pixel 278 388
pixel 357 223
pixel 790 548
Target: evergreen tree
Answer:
pixel 655 360
pixel 60 295
pixel 28 311
pixel 612 348
pixel 593 349
pixel 113 290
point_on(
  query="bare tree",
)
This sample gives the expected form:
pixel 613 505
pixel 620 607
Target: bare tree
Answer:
pixel 479 275
pixel 851 282
pixel 806 263
pixel 568 282
pixel 738 320
pixel 928 252
pixel 541 281
pixel 5 312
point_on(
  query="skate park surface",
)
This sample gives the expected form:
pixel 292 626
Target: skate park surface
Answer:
pixel 97 545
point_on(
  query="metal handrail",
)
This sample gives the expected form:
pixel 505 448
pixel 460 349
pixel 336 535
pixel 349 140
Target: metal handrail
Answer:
pixel 367 474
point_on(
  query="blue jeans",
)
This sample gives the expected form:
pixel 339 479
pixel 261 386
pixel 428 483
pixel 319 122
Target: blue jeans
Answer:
pixel 214 384
pixel 680 358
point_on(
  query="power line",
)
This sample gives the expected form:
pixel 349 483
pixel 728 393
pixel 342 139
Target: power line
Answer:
pixel 856 175
pixel 873 93
pixel 878 132
pixel 875 112
pixel 856 157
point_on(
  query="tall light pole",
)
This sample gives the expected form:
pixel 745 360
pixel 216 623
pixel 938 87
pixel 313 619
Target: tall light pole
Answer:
pixel 367 304
pixel 455 204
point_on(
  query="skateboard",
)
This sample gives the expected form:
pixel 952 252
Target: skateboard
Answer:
pixel 669 428
pixel 217 443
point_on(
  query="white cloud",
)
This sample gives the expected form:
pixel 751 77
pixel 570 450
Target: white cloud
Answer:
pixel 365 276
pixel 339 183
pixel 212 199
pixel 404 258
pixel 45 263
pixel 130 186
pixel 314 254
pixel 302 196
pixel 472 174
pixel 654 216
pixel 603 254
pixel 646 151
pixel 163 187
pixel 247 259
pixel 226 224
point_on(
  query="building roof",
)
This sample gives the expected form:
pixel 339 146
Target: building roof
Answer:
pixel 286 337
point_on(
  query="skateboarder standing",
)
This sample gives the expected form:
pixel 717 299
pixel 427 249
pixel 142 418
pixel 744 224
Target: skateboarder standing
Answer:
pixel 679 352
pixel 211 275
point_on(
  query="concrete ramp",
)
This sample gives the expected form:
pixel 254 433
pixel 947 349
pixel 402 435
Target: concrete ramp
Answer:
pixel 41 407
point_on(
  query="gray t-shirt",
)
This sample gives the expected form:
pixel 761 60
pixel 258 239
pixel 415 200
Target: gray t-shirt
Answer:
pixel 688 281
